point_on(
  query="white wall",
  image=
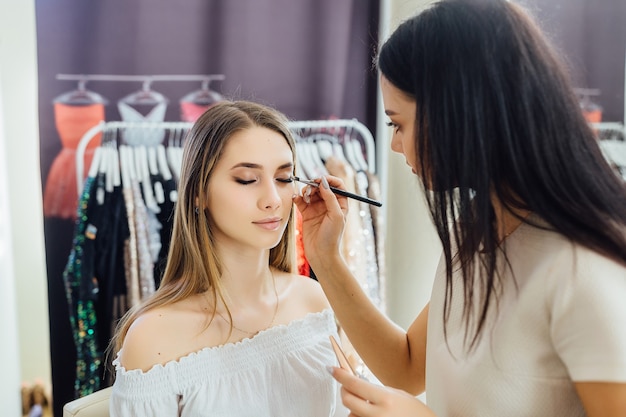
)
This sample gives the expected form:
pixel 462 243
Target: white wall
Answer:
pixel 19 131
pixel 10 375
pixel 412 246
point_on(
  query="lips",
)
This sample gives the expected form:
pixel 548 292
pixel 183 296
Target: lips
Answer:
pixel 269 224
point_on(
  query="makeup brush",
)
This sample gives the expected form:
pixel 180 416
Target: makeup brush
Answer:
pixel 342 192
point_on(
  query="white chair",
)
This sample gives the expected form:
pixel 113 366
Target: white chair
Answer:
pixel 92 405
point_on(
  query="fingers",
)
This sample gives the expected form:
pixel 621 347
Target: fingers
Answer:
pixel 365 399
pixel 312 194
pixel 357 386
pixel 357 406
pixel 330 199
pixel 300 203
pixel 352 393
pixel 334 181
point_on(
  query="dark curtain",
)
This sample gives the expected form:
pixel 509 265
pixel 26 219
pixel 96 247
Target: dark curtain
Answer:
pixel 310 59
pixel 592 36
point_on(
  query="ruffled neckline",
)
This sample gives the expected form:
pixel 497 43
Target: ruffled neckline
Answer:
pixel 290 333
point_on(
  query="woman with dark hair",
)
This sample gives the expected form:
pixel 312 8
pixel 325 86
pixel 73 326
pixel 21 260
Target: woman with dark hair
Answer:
pixel 527 315
pixel 232 329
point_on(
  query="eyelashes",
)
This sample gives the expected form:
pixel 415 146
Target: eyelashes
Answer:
pixel 247 182
pixel 393 125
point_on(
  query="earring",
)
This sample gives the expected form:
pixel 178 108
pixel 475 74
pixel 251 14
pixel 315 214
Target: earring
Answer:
pixel 197 210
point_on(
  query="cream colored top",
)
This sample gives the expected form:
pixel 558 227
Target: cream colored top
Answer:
pixel 280 371
pixel 565 322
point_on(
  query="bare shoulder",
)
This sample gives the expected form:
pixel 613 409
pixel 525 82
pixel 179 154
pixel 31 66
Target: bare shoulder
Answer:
pixel 159 336
pixel 306 291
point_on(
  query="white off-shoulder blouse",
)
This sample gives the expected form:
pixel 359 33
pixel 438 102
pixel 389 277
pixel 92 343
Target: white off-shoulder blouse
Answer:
pixel 280 371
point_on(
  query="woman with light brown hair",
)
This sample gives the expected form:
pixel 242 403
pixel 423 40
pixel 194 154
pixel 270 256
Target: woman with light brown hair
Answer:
pixel 232 330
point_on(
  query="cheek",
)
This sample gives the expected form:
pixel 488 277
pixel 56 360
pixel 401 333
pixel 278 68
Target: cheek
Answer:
pixel 287 190
pixel 409 151
pixel 226 201
pixel 286 195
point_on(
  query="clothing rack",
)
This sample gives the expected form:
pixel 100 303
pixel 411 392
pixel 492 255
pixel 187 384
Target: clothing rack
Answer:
pixel 601 126
pixel 612 140
pixel 145 79
pixel 331 125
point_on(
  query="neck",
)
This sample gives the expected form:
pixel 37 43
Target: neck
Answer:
pixel 247 284
pixel 508 219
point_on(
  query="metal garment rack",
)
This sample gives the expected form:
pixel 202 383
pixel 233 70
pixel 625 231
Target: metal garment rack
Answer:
pixel 145 79
pixel 336 124
pixel 612 141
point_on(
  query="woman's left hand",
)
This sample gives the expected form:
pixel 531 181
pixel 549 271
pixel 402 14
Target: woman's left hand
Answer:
pixel 365 399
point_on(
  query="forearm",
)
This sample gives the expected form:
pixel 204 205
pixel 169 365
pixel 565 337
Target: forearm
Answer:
pixel 383 346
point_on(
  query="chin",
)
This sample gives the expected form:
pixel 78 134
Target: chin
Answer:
pixel 267 242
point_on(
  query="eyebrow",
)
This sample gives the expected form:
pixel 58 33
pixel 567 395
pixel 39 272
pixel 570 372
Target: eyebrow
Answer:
pixel 258 166
pixel 390 113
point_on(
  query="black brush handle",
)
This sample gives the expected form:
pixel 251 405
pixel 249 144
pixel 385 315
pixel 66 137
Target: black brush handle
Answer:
pixel 367 200
pixel 341 192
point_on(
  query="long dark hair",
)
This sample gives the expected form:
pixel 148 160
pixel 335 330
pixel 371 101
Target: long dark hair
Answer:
pixel 496 117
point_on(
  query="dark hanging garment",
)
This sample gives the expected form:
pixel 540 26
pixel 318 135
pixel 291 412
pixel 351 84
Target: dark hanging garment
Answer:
pixel 82 291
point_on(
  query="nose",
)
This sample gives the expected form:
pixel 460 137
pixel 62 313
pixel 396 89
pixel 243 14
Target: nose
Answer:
pixel 396 144
pixel 270 198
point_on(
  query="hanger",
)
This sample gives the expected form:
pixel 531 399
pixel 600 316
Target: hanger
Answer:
pixel 324 147
pixel 115 163
pixel 358 153
pixel 164 168
pixel 125 166
pixel 313 163
pixel 81 96
pixel 204 96
pixel 354 152
pixel 145 96
pixel 105 169
pixel 349 150
pixel 165 171
pixel 328 145
pixel 177 151
pixel 95 162
pixel 338 152
pixel 316 157
pixel 159 193
pixel 109 144
pixel 143 175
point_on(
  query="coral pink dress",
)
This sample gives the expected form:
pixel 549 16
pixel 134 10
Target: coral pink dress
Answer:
pixel 60 197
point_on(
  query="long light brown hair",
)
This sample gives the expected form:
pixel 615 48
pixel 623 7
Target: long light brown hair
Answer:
pixel 193 265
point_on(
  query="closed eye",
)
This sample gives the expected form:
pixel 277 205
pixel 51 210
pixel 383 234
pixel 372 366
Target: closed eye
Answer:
pixel 244 182
pixel 288 180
